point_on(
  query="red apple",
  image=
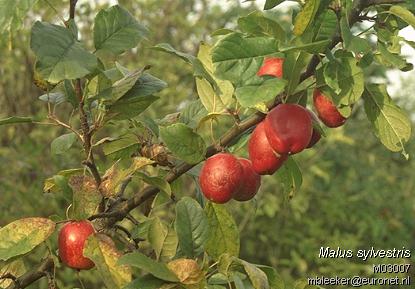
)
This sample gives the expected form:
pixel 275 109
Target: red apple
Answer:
pixel 272 66
pixel 72 239
pixel 251 182
pixel 316 136
pixel 220 177
pixel 288 128
pixel 264 160
pixel 327 111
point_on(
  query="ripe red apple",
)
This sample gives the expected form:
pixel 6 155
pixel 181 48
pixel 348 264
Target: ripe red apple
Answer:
pixel 288 128
pixel 251 182
pixel 327 111
pixel 316 136
pixel 71 240
pixel 220 177
pixel 264 160
pixel 272 66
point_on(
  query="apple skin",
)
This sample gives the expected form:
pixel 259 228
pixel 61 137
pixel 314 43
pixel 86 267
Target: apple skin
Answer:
pixel 251 182
pixel 272 66
pixel 327 111
pixel 316 136
pixel 72 237
pixel 220 177
pixel 264 160
pixel 288 128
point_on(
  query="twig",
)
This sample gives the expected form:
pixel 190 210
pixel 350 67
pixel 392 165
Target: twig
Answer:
pixel 32 276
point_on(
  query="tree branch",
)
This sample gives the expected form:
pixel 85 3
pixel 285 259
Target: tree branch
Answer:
pixel 34 275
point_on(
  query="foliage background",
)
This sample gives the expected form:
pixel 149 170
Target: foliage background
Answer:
pixel 355 193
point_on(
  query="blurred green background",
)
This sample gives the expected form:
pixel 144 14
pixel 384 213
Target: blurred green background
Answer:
pixel 355 193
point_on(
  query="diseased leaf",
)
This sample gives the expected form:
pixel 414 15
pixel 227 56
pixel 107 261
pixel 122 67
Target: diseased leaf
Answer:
pixel 86 197
pixel 183 142
pixel 102 251
pixel 391 125
pixel 116 30
pixel 60 56
pixel 191 225
pixel 16 268
pixel 141 261
pixel 223 232
pixel 22 236
pixel 59 182
pixel 306 16
pixel 188 272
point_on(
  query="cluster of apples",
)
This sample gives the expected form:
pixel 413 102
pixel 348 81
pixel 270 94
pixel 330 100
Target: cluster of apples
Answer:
pixel 287 129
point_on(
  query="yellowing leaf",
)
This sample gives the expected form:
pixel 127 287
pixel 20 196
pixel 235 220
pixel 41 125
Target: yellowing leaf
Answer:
pixel 102 251
pixel 22 236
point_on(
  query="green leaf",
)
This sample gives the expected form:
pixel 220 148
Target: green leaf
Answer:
pixel 254 95
pixel 60 55
pixel 290 177
pixel 274 279
pixel 22 236
pixel 157 182
pixel 183 142
pixel 141 261
pixel 390 59
pixel 15 268
pixel 351 42
pixel 191 226
pixel 102 251
pixel 256 23
pixel 404 14
pixel 59 182
pixel 62 143
pixel 305 17
pixel 294 64
pixel 145 282
pixel 193 113
pixel 215 98
pixel 86 197
pixel 345 81
pixel 258 278
pixel 13 13
pixel 269 4
pixel 170 243
pixel 199 69
pixel 119 88
pixel 53 98
pixel 15 120
pixel 122 147
pixel 391 125
pixel 313 47
pixel 326 25
pixel 137 99
pixel 116 30
pixel 223 232
pixel 157 233
pixel 237 58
